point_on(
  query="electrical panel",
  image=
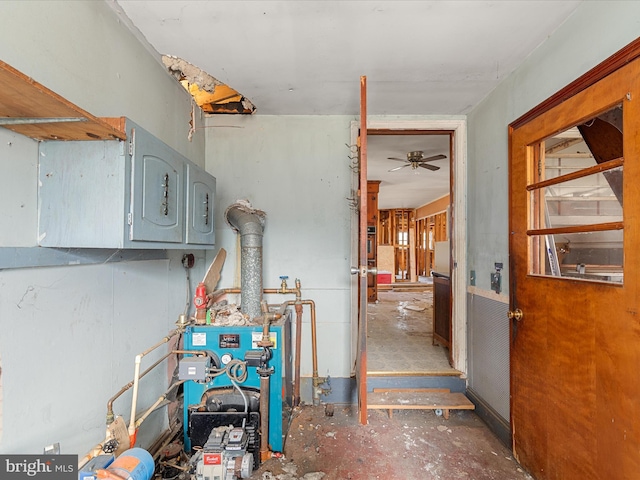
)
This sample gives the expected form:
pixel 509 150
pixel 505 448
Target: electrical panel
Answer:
pixel 137 193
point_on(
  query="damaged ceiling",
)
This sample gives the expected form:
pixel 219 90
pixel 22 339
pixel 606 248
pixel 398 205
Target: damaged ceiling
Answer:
pixel 306 57
pixel 209 93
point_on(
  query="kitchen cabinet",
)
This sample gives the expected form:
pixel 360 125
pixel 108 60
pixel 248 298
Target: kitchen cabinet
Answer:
pixel 201 190
pixel 136 193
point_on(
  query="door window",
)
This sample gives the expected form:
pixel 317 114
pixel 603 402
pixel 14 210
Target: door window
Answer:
pixel 576 221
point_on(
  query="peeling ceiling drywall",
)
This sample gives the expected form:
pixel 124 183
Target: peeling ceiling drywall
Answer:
pixel 421 57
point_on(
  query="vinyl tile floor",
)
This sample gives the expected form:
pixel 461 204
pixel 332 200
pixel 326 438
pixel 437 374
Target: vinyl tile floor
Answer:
pixel 400 336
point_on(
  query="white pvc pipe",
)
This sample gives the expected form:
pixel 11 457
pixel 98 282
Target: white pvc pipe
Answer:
pixel 136 383
pixel 134 400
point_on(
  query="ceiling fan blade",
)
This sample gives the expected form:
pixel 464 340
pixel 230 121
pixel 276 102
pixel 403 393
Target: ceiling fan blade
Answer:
pixel 433 168
pixel 398 168
pixel 399 159
pixel 433 158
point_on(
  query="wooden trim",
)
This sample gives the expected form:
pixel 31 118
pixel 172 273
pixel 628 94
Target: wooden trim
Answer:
pixel 597 227
pixel 116 122
pixel 437 206
pixel 444 124
pixel 490 294
pixel 362 333
pixel 613 63
pixel 585 172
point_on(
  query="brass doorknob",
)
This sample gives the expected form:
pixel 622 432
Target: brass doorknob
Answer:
pixel 515 314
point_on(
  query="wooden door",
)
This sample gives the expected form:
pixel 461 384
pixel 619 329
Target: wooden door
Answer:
pixel 361 367
pixel 575 353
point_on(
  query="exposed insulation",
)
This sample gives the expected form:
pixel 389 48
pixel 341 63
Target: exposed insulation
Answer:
pixel 210 94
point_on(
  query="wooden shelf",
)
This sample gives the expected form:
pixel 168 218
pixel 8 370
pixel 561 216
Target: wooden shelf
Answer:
pixel 44 115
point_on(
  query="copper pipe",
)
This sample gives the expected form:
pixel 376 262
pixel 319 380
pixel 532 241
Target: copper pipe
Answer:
pixel 110 415
pixel 157 403
pixel 314 348
pixel 282 291
pixel 265 453
pixel 287 291
pixel 161 342
pixel 296 381
pixel 190 352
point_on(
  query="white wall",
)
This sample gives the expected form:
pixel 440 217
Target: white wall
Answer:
pixel 69 334
pixel 296 169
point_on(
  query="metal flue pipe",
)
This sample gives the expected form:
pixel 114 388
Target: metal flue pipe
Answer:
pixel 249 223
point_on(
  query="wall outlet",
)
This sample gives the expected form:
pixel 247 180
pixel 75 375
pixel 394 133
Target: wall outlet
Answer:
pixel 496 280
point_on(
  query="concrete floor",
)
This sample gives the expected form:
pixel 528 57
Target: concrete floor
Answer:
pixel 413 445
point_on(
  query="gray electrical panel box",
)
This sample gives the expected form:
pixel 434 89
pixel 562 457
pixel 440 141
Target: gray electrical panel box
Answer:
pixel 137 193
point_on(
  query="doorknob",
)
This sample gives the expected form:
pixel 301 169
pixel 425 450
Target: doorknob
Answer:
pixel 363 270
pixel 515 314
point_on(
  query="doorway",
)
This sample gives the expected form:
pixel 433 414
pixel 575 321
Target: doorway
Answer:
pixel 456 128
pixel 408 212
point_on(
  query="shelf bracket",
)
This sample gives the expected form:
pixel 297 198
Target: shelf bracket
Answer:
pixel 34 120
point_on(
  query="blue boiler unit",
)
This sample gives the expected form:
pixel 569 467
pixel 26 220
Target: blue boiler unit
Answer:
pixel 218 403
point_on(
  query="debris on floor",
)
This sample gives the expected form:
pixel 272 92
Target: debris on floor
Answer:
pixel 289 476
pixel 415 308
pixel 413 445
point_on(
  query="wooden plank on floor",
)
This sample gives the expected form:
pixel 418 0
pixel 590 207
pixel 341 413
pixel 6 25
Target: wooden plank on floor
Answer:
pixel 418 400
pixel 423 390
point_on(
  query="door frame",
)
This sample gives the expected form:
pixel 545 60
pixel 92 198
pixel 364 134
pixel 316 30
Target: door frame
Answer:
pixel 458 238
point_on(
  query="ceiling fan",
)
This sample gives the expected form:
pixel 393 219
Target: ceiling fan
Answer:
pixel 417 159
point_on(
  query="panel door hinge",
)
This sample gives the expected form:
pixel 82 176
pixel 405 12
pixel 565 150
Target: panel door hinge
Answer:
pixel 129 218
pixel 132 140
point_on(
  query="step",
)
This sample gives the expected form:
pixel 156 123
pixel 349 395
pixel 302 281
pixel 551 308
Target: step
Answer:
pixel 429 380
pixel 440 400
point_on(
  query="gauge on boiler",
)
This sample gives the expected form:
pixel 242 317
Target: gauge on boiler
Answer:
pixel 226 358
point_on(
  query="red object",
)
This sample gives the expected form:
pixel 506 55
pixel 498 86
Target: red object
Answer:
pixel 200 300
pixel 213 459
pixel 384 278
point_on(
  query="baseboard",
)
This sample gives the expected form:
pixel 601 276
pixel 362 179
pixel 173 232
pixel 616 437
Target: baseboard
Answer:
pixel 340 390
pixel 498 425
pixel 344 390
